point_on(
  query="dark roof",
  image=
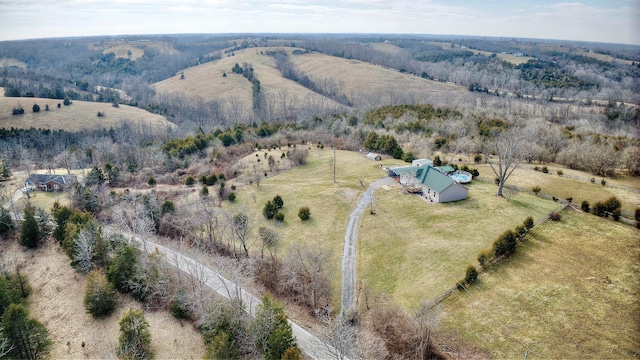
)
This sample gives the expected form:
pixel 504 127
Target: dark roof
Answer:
pixel 45 178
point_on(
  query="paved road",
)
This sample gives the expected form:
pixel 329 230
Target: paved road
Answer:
pixel 307 342
pixel 350 242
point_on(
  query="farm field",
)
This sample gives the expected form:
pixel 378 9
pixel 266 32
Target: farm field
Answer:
pixel 571 291
pixel 414 250
pixel 573 183
pixel 9 62
pixel 516 60
pixel 80 115
pixel 387 47
pixel 57 302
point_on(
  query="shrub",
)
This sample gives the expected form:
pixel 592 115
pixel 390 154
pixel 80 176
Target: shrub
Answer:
pixel 100 296
pixel 231 197
pixel 554 216
pixel 505 245
pixel 536 168
pixel 477 159
pixel 204 191
pixel 536 190
pixel 168 207
pixel 599 209
pixel 408 157
pixel 58 105
pixel 612 204
pixel 270 210
pixel 190 181
pixel 304 213
pixel 279 217
pixel 152 181
pixel 585 206
pixel 545 170
pixel 277 200
pixel 603 182
pixel 637 214
pixel 484 258
pixel 593 180
pixel 36 108
pixel 100 114
pixel 17 111
pixel 135 339
pixel 66 102
pixel 560 173
pixel 179 305
pixel 569 199
pixel 615 214
pixel 471 275
pixel 520 230
pixel 528 223
pixel 437 161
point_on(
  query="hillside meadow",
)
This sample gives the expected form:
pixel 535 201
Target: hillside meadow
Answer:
pixel 57 302
pixel 208 82
pixel 80 115
pixel 572 291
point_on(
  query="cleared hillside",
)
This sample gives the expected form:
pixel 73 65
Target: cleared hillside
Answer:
pixel 370 85
pixel 208 82
pixel 80 115
pixel 388 48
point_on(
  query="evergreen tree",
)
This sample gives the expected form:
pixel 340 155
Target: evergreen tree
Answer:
pixel 29 338
pixel 122 268
pixel 30 234
pixel 6 222
pixel 135 338
pixel 100 297
pixel 271 331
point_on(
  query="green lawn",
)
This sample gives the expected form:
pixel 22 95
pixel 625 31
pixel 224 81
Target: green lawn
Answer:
pixel 571 291
pixel 414 250
pixel 330 203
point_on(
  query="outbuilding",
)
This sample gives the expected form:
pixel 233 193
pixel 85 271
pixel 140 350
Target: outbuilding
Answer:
pixel 436 186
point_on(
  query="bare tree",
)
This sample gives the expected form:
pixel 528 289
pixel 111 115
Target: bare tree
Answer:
pixel 131 217
pixel 269 238
pixel 511 147
pixel 83 251
pixel 338 338
pixel 305 271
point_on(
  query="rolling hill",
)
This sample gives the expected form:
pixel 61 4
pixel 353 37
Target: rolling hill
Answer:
pixel 80 115
pixel 362 84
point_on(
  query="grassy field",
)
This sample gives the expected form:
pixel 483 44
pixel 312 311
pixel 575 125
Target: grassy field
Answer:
pixel 122 48
pixel 207 81
pixel 330 203
pixel 571 292
pixel 516 60
pixel 9 62
pixel 80 115
pixel 568 186
pixel 387 47
pixel 365 83
pixel 414 250
pixel 57 302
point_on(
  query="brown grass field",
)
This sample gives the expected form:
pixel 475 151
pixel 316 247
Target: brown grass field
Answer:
pixel 9 62
pixel 57 302
pixel 80 115
pixel 370 84
pixel 388 48
pixel 572 291
pixel 207 81
pixel 121 48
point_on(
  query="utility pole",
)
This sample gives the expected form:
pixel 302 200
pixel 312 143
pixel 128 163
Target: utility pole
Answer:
pixel 334 165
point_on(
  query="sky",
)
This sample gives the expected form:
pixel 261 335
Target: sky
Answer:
pixel 614 21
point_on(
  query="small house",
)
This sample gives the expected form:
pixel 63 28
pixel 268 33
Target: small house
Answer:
pixel 51 183
pixel 374 156
pixel 436 186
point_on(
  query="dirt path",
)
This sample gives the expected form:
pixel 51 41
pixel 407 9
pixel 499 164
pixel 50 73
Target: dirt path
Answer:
pixel 307 342
pixel 350 242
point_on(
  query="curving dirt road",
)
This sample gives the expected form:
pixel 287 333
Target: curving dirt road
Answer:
pixel 350 242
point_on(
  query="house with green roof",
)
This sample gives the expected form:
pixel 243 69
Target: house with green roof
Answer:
pixel 436 186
